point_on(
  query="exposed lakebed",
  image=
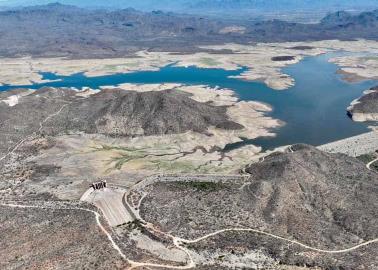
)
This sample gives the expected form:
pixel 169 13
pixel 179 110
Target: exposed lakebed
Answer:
pixel 314 110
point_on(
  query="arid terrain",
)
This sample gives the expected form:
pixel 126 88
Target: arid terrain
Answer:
pixel 298 207
pixel 60 30
pixel 295 207
pixel 170 193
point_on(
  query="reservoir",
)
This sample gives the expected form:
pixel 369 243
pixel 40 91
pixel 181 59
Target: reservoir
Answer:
pixel 314 110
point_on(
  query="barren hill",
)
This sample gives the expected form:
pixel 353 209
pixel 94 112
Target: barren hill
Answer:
pixel 325 201
pixel 59 30
pixel 113 112
pixel 315 195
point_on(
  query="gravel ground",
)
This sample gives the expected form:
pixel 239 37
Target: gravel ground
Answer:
pixel 354 146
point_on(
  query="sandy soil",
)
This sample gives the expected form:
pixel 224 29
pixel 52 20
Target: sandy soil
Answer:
pixel 14 99
pixel 358 67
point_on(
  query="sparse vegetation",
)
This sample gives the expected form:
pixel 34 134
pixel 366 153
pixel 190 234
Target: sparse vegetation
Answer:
pixel 366 158
pixel 135 225
pixel 273 199
pixel 374 166
pixel 209 61
pixel 203 186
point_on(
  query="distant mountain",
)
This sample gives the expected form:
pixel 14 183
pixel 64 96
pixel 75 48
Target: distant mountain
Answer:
pixel 275 5
pixel 181 5
pixel 63 30
pixel 342 18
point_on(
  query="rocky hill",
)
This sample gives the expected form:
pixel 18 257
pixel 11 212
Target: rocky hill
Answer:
pixel 366 107
pixel 327 193
pixel 112 112
pixel 326 201
pixel 345 19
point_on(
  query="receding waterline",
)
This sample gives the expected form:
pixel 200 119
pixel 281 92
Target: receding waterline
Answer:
pixel 314 110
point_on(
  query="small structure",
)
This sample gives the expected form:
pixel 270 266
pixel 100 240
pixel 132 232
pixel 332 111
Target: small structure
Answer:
pixel 99 185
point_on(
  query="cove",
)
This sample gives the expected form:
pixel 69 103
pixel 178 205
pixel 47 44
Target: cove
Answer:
pixel 314 110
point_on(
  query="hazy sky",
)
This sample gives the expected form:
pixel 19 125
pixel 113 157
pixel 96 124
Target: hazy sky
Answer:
pixel 183 4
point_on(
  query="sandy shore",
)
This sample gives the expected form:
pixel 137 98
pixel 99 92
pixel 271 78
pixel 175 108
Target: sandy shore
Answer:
pixel 357 68
pixel 259 59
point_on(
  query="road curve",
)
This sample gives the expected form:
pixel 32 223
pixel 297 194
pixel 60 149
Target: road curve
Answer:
pixel 371 163
pixel 280 238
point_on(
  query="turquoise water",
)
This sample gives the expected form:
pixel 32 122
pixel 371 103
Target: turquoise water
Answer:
pixel 314 110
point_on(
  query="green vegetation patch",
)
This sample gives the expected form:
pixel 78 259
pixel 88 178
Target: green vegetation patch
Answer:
pixel 209 61
pixel 163 158
pixel 374 166
pixel 367 58
pixel 115 66
pixel 125 158
pixel 127 154
pixel 202 186
pixel 366 158
pixel 134 225
pixel 172 166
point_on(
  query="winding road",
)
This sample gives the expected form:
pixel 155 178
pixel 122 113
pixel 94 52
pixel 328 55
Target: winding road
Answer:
pixel 177 241
pixel 371 163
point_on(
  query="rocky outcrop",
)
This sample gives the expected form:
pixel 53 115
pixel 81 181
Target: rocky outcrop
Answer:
pixel 113 112
pixel 315 194
pixel 337 18
pixel 366 107
pixel 344 19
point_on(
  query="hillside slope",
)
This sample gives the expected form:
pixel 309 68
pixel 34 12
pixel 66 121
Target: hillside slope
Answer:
pixel 326 201
pixel 113 112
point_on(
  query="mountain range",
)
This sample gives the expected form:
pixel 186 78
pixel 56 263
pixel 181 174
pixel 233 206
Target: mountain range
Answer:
pixel 63 30
pixel 185 5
